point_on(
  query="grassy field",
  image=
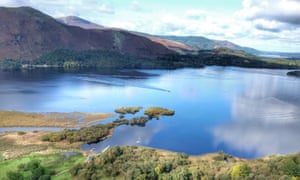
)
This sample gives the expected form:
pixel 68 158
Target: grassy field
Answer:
pixel 50 119
pixel 15 144
pixel 57 163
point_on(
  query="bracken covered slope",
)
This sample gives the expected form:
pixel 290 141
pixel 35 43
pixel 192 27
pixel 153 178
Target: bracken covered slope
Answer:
pixel 26 33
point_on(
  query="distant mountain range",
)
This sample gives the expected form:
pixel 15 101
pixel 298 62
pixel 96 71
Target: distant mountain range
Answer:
pixel 202 43
pixel 193 42
pixel 185 43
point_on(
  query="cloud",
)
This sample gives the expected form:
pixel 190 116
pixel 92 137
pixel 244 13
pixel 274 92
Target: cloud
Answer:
pixel 103 8
pixel 62 7
pixel 272 26
pixel 196 14
pixel 284 11
pixel 135 5
pixel 15 3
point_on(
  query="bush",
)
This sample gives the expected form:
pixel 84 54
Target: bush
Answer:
pixel 14 175
pixel 240 171
pixel 20 133
pixel 291 168
pixel 155 112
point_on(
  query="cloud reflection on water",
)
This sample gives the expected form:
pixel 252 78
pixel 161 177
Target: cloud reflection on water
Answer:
pixel 264 121
pixel 128 135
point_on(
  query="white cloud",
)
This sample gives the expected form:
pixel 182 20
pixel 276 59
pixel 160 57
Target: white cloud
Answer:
pixel 285 11
pixel 270 25
pixel 15 3
pixel 196 14
pixel 63 7
pixel 103 8
pixel 135 5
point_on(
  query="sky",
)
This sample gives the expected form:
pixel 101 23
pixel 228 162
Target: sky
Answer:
pixel 271 25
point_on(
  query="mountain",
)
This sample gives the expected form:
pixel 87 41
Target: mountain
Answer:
pixel 77 21
pixel 177 43
pixel 202 43
pixel 85 24
pixel 26 33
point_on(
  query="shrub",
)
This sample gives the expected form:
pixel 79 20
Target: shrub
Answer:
pixel 20 133
pixel 291 168
pixel 155 112
pixel 14 175
pixel 240 171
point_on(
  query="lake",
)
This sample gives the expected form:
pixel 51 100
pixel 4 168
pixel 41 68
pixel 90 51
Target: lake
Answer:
pixel 244 112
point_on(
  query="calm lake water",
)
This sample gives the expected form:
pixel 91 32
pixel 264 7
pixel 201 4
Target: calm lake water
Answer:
pixel 245 112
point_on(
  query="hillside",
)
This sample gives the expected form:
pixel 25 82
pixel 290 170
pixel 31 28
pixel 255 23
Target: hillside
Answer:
pixel 27 34
pixel 85 24
pixel 202 43
pixel 132 162
pixel 183 44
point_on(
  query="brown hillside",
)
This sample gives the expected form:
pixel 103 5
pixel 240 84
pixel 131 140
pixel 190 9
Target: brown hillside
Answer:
pixel 26 33
pixel 85 24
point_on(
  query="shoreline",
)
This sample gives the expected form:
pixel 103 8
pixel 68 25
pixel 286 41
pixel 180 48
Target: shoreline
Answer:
pixel 28 138
pixel 15 119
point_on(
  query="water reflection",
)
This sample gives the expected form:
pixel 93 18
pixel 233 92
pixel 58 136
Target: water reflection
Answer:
pixel 116 81
pixel 265 118
pixel 128 135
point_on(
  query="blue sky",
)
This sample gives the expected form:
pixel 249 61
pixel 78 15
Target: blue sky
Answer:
pixel 272 25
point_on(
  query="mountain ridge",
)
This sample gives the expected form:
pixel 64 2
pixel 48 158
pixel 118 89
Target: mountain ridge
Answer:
pixel 190 42
pixel 34 33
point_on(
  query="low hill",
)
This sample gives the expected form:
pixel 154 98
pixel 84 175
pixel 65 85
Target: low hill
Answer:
pixel 202 43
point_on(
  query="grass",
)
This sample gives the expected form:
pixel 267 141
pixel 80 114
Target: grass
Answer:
pixel 54 162
pixel 51 119
pixel 13 145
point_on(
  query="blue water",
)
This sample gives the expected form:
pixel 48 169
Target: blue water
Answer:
pixel 245 112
